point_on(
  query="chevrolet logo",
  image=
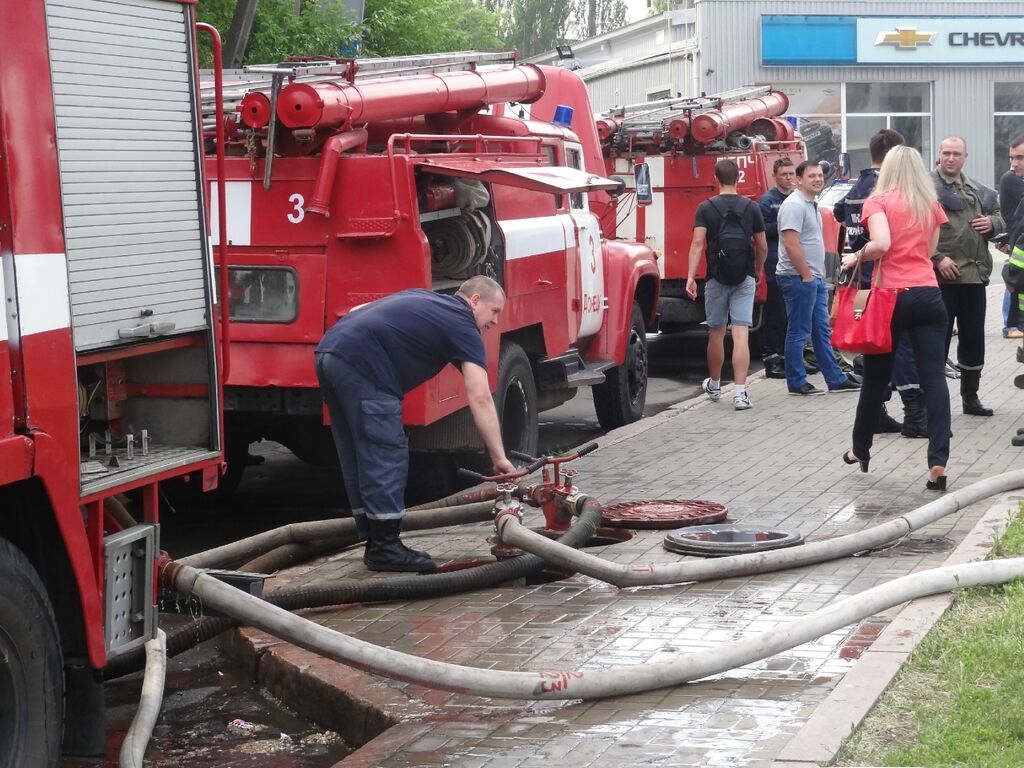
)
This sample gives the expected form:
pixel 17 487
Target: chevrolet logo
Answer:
pixel 905 38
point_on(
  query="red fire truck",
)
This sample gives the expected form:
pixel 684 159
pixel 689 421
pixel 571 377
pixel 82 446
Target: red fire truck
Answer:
pixel 666 151
pixel 108 347
pixel 350 180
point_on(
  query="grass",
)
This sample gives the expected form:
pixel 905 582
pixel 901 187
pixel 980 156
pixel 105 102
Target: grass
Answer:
pixel 959 699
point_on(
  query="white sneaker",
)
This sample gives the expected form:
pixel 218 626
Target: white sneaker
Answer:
pixel 741 401
pixel 713 394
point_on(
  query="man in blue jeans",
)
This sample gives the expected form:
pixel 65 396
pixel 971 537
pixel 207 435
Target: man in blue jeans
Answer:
pixel 366 363
pixel 801 276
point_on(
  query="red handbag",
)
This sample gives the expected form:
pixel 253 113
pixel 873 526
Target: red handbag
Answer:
pixel 864 316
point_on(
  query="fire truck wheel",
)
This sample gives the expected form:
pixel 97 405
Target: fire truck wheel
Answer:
pixel 516 400
pixel 31 677
pixel 620 399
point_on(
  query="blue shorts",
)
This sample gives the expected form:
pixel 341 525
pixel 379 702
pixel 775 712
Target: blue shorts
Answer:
pixel 725 304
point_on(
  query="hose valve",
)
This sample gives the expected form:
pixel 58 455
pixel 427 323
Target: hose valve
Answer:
pixel 505 505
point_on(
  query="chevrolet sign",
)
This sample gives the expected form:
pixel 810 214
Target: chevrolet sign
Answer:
pixel 940 40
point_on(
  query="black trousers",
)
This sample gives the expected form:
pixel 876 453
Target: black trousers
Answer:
pixel 773 331
pixel 966 305
pixel 921 315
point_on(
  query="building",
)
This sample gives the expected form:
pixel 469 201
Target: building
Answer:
pixel 849 68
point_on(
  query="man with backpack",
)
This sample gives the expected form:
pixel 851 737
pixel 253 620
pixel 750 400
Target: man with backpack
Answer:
pixel 732 228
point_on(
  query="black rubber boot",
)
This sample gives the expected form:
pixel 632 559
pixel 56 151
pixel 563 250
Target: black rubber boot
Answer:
pixel 386 552
pixel 886 423
pixel 969 383
pixel 915 418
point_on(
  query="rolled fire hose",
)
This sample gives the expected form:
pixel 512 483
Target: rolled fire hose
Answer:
pixel 592 683
pixel 133 748
pixel 635 575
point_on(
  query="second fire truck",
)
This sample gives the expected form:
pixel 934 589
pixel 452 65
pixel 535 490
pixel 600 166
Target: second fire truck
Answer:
pixel 350 180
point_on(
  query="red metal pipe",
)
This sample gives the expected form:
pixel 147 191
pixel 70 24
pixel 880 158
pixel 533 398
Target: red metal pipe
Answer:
pixel 254 109
pixel 222 209
pixel 606 126
pixel 340 142
pixel 678 129
pixel 719 123
pixel 332 105
pixel 772 128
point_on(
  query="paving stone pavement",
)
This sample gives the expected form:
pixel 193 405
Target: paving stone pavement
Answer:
pixel 776 464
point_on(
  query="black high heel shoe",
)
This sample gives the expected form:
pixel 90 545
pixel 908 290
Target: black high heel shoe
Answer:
pixel 863 462
pixel 936 483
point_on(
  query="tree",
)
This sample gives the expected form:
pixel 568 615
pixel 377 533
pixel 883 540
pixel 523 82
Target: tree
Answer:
pixel 320 28
pixel 535 26
pixel 404 27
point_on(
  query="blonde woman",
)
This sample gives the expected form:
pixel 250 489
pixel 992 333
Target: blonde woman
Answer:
pixel 903 218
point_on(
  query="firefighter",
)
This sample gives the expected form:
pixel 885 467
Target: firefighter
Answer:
pixel 366 363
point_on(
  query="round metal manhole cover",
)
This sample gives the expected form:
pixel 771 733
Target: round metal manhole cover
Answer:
pixel 663 513
pixel 725 540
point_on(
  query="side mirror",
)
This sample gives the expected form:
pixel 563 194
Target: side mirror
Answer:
pixel 642 177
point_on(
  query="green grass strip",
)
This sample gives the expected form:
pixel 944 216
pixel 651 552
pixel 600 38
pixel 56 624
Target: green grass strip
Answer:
pixel 959 699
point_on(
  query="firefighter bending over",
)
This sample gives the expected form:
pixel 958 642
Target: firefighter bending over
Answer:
pixel 366 363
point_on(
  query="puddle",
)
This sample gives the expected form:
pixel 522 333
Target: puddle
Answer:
pixel 915 545
pixel 213 716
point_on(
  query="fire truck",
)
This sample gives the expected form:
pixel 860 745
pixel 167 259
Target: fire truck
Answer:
pixel 348 180
pixel 109 346
pixel 665 152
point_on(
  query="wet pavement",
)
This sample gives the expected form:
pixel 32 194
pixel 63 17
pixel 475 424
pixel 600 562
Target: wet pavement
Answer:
pixel 778 465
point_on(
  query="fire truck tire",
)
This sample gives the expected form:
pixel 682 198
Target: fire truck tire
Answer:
pixel 32 678
pixel 620 399
pixel 516 400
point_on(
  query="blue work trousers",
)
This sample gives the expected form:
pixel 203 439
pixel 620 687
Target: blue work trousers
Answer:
pixel 807 310
pixel 920 317
pixel 367 426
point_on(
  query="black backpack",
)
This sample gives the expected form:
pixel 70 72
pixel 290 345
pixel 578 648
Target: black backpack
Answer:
pixel 730 259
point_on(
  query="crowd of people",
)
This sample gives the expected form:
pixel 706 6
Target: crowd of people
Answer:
pixel 927 231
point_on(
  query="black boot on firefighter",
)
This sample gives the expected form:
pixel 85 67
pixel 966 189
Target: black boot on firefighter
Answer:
pixel 969 383
pixel 886 423
pixel 915 418
pixel 386 552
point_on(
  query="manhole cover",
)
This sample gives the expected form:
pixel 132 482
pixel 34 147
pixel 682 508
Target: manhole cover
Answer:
pixel 722 540
pixel 663 513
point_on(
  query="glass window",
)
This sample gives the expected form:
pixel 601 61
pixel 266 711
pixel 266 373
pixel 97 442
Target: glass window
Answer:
pixel 263 295
pixel 1009 97
pixel 1008 123
pixel 813 98
pixel 887 97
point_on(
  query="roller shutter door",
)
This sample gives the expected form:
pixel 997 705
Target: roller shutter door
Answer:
pixel 129 166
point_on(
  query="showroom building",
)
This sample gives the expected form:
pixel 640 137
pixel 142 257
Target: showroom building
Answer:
pixel 849 68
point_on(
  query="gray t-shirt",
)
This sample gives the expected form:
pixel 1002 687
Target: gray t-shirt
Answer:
pixel 801 215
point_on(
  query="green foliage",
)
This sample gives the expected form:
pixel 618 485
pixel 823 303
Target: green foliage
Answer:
pixel 403 27
pixel 536 26
pixel 320 28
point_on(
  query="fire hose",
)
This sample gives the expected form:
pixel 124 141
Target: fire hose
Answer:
pixel 582 684
pixel 513 533
pixel 680 668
